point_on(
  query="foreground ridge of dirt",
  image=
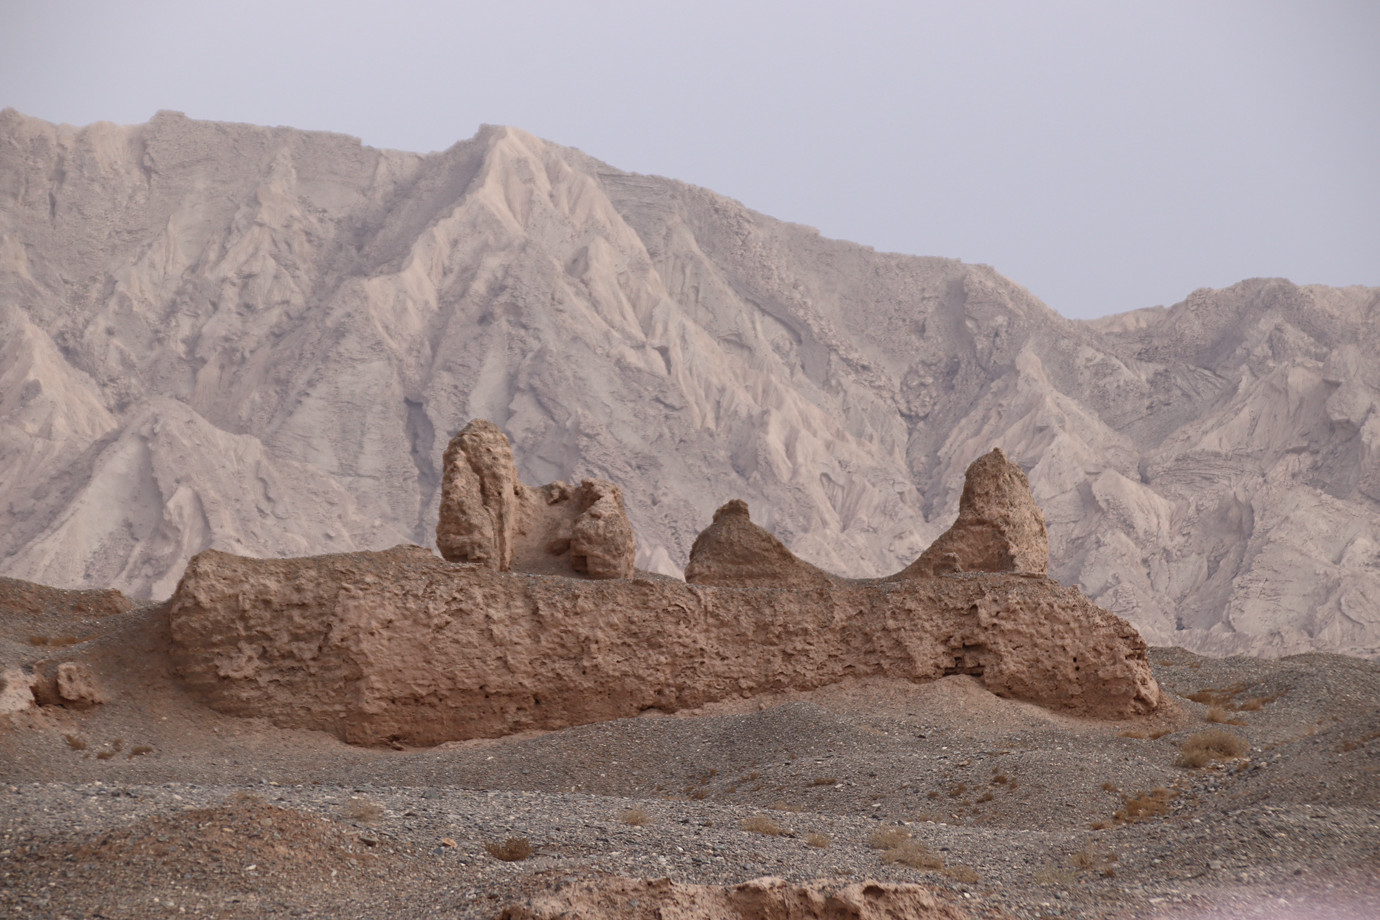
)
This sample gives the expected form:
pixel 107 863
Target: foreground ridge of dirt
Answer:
pixel 401 647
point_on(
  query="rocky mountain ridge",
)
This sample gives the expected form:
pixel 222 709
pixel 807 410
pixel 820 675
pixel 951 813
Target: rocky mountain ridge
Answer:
pixel 260 340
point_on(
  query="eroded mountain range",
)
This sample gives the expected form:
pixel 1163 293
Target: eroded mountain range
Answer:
pixel 261 340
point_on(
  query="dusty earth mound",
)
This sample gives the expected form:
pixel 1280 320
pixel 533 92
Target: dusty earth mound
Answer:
pixel 24 598
pixel 759 899
pixel 999 526
pixel 53 680
pixel 733 551
pixel 488 517
pixel 239 857
pixel 401 647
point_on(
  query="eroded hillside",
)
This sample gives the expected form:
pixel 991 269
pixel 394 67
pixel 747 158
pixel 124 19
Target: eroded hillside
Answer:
pixel 261 340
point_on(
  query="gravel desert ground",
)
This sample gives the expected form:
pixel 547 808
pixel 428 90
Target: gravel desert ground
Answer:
pixel 152 805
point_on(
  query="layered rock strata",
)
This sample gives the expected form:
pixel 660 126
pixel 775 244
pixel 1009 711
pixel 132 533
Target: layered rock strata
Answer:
pixel 490 518
pixel 400 646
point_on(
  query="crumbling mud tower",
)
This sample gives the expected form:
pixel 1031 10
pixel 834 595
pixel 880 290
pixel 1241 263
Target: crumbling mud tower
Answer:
pixel 488 517
pixel 535 619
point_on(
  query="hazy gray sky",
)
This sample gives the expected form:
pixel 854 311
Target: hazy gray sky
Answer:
pixel 1107 155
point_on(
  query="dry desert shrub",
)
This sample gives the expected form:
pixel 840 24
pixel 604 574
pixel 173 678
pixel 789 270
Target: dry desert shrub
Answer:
pixel 1001 779
pixel 75 742
pixel 1214 744
pixel 140 749
pixel 358 809
pixel 637 817
pixel 824 781
pixel 1132 733
pixel 1150 804
pixel 761 824
pixel 914 855
pixel 819 841
pixel 514 849
pixel 1093 861
pixel 786 806
pixel 887 838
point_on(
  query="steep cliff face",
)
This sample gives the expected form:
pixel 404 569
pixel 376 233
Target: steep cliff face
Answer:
pixel 262 339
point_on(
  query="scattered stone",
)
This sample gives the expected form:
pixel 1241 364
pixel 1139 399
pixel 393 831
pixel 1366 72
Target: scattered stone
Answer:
pixel 760 899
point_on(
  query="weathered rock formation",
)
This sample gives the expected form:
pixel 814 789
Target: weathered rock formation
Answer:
pixel 16 691
pixel 490 518
pixel 617 898
pixel 68 683
pixel 999 526
pixel 734 552
pixel 400 646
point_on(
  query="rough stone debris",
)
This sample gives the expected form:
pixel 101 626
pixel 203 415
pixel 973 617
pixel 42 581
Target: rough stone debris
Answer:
pixel 77 686
pixel 490 518
pixel 758 899
pixel 16 691
pixel 66 683
pixel 402 647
